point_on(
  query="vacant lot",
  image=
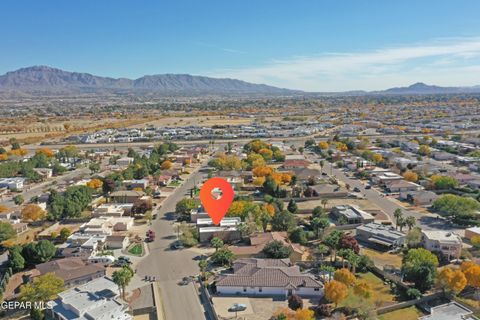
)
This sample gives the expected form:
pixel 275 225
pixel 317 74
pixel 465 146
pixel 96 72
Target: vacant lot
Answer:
pixel 382 258
pixel 411 313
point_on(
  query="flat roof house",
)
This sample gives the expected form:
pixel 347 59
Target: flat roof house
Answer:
pixel 380 235
pixel 446 242
pixel 351 214
pixel 419 197
pixel 97 299
pixel 268 277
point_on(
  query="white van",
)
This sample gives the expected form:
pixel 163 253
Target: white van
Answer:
pixel 106 260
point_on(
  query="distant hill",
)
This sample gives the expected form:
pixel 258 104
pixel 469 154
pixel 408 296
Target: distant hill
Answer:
pixel 43 79
pixel 422 88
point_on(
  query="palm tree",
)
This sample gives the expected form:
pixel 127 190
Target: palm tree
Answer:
pixel 411 222
pixel 322 249
pixel 344 253
pixel 324 203
pixel 321 163
pixel 203 264
pixel 398 214
pixel 217 243
pixel 319 224
pixel 354 260
pixel 402 222
pixel 122 278
pixel 328 269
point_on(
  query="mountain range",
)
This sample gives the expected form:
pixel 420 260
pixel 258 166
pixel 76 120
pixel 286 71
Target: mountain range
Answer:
pixel 48 80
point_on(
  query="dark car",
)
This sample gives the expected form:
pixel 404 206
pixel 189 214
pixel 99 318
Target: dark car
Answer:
pixel 356 189
pixel 185 281
pixel 176 245
pixel 368 186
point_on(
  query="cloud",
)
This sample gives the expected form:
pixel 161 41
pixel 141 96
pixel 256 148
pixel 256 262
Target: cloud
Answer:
pixel 229 50
pixel 441 62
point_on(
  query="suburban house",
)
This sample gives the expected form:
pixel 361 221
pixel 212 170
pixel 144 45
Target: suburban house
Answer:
pixel 451 311
pixel 419 198
pixel 296 164
pixel 45 173
pixel 386 177
pixel 259 240
pixel 351 214
pixel 328 191
pixel 226 230
pixel 97 299
pixel 134 184
pixel 268 277
pixel 12 183
pixel 472 232
pixel 112 210
pixel 446 242
pixel 73 271
pixel 380 235
pixel 443 156
pixel 401 185
pixel 124 162
pixel 126 196
pixel 164 180
pixel 117 242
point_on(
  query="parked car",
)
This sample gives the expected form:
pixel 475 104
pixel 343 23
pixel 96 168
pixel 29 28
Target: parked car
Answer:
pixel 237 307
pixel 368 186
pixel 356 189
pixel 185 281
pixel 176 245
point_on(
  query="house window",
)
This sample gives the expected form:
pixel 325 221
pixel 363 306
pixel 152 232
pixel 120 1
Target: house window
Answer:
pixel 260 289
pixel 316 289
pixel 244 289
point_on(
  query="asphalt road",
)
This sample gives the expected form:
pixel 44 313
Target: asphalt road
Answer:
pixel 170 266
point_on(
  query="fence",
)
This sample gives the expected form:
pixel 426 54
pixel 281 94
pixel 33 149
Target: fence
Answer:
pixel 207 300
pixel 409 303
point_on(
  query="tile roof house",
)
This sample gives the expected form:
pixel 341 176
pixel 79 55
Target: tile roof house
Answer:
pixel 73 270
pixel 419 198
pixel 259 240
pixel 268 277
pixel 296 163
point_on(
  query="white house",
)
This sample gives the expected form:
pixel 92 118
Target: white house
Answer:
pixel 12 183
pixel 268 277
pixel 446 242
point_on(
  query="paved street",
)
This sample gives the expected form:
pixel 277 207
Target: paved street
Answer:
pixel 169 267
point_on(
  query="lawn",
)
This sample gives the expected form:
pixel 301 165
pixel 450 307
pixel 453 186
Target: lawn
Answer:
pixel 410 313
pixel 136 249
pixel 473 304
pixel 174 184
pixel 382 258
pixel 381 294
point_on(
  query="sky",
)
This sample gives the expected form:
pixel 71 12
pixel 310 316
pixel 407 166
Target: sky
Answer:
pixel 314 45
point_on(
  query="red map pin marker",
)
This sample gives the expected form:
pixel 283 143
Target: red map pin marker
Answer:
pixel 216 207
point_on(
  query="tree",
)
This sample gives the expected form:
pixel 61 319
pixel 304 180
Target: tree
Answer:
pixel 33 212
pixel 363 290
pixel 304 314
pixel 414 238
pixel 94 167
pixel 15 260
pixel 6 231
pixel 283 221
pixel 40 252
pixel 295 302
pixel 292 206
pixel 108 185
pixel 223 257
pixel 270 186
pixel 410 221
pixel 349 242
pixel 318 225
pixel 472 274
pixel 410 176
pixel 443 182
pixel 335 292
pixel 319 212
pixel 476 241
pixel 64 234
pixel 276 250
pixel 451 280
pixel 322 250
pixel 461 208
pixel 324 202
pixel 95 184
pixel 424 150
pixel 166 165
pixel 122 278
pixel 419 266
pixel 217 243
pixel 344 276
pixel 297 235
pixel 202 265
pixel 42 289
pixel 18 199
pixel 184 206
pixel 332 241
pixel 398 214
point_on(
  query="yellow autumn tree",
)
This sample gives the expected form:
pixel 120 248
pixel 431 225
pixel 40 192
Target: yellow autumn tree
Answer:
pixel 259 181
pixel 410 176
pixel 323 145
pixel 344 276
pixel 269 209
pixel 452 280
pixel 167 164
pixel 377 157
pixel 3 157
pixel 33 212
pixel 262 171
pixel 46 151
pixel 304 314
pixel 362 289
pixel 95 183
pixel 473 276
pixel 335 291
pixel 3 208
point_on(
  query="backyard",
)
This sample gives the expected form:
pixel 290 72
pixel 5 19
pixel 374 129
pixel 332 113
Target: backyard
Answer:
pixel 410 313
pixel 381 293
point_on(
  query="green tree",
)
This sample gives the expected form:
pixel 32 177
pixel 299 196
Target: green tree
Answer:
pixel 223 257
pixel 18 199
pixel 276 250
pixel 39 252
pixel 398 215
pixel 297 235
pixel 410 222
pixel 270 186
pixel 203 265
pixel 64 234
pixel 332 241
pixel 283 221
pixel 292 206
pixel 6 231
pixel 94 167
pixel 414 238
pixel 16 260
pixel 319 225
pixel 217 243
pixel 419 266
pixel 184 206
pixel 122 278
